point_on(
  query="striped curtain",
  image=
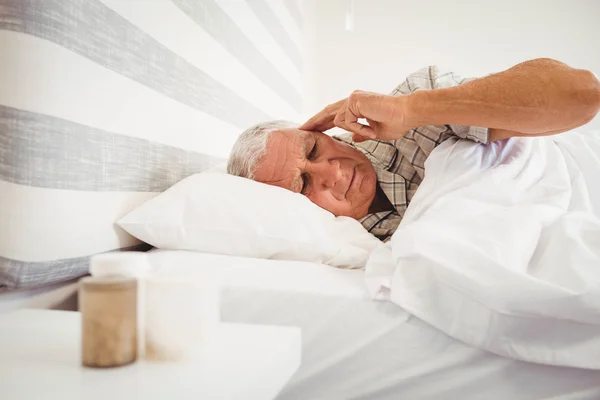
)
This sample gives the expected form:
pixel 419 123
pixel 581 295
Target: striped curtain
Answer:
pixel 105 103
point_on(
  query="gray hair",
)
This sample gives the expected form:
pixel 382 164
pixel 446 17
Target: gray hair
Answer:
pixel 251 145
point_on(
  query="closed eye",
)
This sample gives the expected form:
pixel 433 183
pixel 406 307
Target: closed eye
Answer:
pixel 305 182
pixel 313 152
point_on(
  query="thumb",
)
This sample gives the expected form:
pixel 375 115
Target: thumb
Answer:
pixel 359 138
pixel 361 105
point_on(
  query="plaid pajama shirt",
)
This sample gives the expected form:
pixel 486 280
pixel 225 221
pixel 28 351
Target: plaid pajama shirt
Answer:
pixel 400 164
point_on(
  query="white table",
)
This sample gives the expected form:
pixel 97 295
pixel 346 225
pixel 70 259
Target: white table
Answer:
pixel 40 359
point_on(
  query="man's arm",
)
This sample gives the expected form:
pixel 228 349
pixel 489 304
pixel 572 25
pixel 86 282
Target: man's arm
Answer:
pixel 534 98
pixel 429 78
pixel 537 97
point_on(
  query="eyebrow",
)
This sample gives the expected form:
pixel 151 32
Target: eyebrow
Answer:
pixel 297 183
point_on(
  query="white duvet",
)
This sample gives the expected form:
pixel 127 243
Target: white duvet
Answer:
pixel 500 248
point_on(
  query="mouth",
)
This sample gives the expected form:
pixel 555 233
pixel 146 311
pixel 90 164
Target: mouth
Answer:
pixel 351 181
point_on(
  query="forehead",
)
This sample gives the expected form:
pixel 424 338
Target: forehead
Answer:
pixel 293 140
pixel 283 159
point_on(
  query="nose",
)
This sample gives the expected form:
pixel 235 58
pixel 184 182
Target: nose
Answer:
pixel 326 173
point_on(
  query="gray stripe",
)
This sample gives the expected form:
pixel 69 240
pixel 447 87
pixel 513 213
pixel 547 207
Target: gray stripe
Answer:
pixel 15 274
pixel 44 151
pixel 292 7
pixel 93 30
pixel 217 23
pixel 276 29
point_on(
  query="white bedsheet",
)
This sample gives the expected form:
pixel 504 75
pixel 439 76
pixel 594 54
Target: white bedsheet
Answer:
pixel 355 348
pixel 500 248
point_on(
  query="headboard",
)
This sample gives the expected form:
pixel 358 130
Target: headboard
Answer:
pixel 105 103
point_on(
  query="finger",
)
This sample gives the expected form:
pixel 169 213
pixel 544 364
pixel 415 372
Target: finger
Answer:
pixel 320 122
pixel 369 105
pixel 323 120
pixel 361 130
pixel 352 115
pixel 373 124
pixel 340 119
pixel 359 138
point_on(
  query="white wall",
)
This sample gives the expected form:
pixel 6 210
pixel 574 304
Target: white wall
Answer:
pixel 392 38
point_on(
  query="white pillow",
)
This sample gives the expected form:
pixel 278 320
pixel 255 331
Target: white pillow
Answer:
pixel 226 214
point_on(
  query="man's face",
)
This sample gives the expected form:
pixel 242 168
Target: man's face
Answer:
pixel 332 174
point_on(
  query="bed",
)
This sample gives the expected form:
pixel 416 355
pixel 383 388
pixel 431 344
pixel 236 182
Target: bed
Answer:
pixel 356 348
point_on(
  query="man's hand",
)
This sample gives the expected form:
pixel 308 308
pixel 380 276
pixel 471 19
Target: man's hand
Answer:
pixel 387 116
pixel 535 98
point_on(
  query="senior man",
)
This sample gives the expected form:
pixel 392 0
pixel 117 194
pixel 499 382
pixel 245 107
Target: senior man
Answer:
pixel 373 175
